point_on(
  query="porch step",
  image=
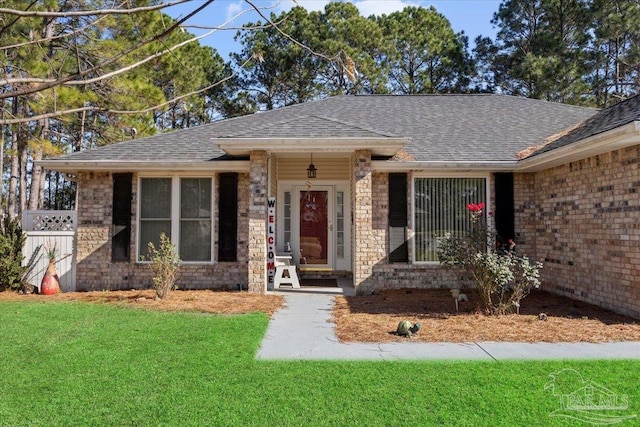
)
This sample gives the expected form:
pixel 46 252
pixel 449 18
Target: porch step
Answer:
pixel 319 274
pixel 345 287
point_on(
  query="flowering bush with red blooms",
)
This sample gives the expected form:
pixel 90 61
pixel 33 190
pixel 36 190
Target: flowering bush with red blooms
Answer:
pixel 472 207
pixel 503 277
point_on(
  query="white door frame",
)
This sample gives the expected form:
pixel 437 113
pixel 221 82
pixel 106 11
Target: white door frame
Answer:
pixel 333 187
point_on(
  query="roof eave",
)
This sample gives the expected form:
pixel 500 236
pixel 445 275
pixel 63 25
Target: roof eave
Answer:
pixel 614 139
pixel 72 166
pixel 442 166
pixel 382 146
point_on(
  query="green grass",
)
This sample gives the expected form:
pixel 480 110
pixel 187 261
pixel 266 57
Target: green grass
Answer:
pixel 66 364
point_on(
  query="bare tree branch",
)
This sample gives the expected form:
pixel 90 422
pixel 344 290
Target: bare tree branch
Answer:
pixel 181 97
pixel 287 36
pixel 75 56
pixel 22 80
pixel 226 28
pixel 25 13
pixel 4 121
pixel 48 39
pixel 98 108
pixel 49 115
pixel 76 79
pixel 103 76
pixel 71 77
pixel 224 25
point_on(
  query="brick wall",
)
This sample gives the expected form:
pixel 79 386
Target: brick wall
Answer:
pixel 362 218
pixel 380 217
pixel 93 235
pixel 95 271
pixel 583 220
pixel 525 211
pixel 420 276
pixel 385 275
pixel 257 267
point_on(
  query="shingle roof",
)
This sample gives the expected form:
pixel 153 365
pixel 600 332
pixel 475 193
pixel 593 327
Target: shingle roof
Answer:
pixel 440 127
pixel 610 118
pixel 193 144
pixel 307 126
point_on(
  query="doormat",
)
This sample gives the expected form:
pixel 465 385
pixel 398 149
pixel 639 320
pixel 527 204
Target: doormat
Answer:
pixel 323 283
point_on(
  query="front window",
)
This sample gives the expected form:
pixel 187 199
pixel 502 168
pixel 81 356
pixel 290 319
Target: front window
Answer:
pixel 182 209
pixel 195 219
pixel 155 212
pixel 441 210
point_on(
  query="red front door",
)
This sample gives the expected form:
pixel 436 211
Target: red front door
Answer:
pixel 314 227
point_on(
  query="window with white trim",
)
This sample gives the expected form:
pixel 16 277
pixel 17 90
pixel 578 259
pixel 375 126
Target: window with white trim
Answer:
pixel 440 209
pixel 182 208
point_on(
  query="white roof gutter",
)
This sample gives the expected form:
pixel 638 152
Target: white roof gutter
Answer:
pixel 435 166
pixel 615 139
pixel 144 166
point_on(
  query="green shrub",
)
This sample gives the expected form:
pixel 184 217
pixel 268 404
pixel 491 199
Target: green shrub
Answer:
pixel 13 274
pixel 12 240
pixel 502 276
pixel 165 265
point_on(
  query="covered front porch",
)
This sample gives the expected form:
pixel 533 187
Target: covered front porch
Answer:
pixel 313 214
pixel 317 206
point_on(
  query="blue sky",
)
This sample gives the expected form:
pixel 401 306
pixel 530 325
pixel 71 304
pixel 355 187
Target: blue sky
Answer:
pixel 471 16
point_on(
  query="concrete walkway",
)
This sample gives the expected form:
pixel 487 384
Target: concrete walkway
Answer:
pixel 303 330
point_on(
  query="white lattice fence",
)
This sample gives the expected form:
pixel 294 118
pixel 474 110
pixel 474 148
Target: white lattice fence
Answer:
pixel 49 228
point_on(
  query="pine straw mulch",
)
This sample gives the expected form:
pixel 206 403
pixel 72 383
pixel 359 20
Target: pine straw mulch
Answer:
pixel 204 301
pixel 375 318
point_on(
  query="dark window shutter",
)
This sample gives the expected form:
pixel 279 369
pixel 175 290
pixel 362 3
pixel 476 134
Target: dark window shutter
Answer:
pixel 504 209
pixel 398 247
pixel 228 217
pixel 121 217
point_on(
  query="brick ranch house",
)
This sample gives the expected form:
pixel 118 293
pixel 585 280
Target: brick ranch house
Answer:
pixel 393 174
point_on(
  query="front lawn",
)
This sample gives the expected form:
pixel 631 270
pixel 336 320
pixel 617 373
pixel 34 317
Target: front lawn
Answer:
pixel 65 364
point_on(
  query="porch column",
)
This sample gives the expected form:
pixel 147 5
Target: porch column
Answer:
pixel 364 256
pixel 257 268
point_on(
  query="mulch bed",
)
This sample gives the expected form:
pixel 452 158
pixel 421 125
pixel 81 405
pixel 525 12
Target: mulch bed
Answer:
pixel 375 318
pixel 180 300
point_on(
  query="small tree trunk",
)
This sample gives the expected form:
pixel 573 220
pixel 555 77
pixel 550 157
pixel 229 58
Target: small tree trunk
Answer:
pixel 36 182
pixel 12 197
pixel 13 155
pixel 24 157
pixel 80 137
pixel 36 194
pixel 43 180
